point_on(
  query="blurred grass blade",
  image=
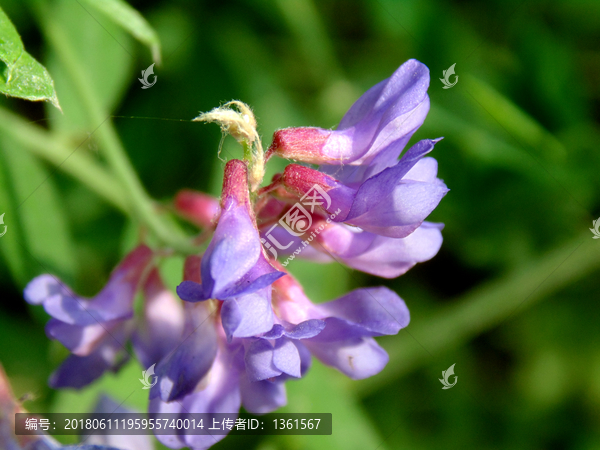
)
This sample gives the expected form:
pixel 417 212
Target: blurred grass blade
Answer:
pixel 10 249
pixel 20 74
pixel 131 20
pixel 515 121
pixel 45 231
pixel 486 307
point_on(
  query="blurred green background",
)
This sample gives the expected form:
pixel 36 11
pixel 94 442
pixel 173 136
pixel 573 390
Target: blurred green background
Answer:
pixel 512 297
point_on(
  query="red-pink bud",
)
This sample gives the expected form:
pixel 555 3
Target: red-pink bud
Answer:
pixel 301 144
pixel 235 183
pixel 200 209
pixel 301 179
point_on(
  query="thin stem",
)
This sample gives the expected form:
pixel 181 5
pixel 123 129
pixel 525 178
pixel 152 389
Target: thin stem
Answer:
pixel 80 167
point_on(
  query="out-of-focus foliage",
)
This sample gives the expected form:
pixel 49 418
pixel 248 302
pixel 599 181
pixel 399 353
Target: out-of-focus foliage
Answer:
pixel 511 298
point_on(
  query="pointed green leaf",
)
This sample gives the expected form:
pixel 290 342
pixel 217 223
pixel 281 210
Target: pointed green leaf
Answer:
pixel 132 21
pixel 20 74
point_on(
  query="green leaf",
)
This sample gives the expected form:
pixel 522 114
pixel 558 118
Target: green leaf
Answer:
pixel 20 74
pixel 132 21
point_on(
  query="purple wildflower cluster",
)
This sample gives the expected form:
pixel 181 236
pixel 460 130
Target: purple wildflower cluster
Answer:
pixel 245 326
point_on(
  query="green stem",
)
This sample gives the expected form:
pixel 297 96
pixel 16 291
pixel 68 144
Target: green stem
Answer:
pixel 79 166
pixel 141 204
pixel 485 307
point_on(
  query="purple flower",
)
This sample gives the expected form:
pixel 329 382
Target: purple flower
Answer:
pixel 351 322
pixel 359 168
pixel 393 202
pixel 209 373
pixel 374 130
pixel 234 268
pixel 94 330
pixel 368 252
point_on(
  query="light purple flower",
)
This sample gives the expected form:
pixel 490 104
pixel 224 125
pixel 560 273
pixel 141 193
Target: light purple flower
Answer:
pixel 393 202
pixel 377 126
pixel 234 268
pixel 368 252
pixel 209 373
pixel 94 330
pixel 351 322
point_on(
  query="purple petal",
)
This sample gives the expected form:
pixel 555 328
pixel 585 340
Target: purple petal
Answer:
pixel 159 329
pixel 81 340
pixel 259 360
pixel 78 371
pixel 180 372
pixel 190 291
pixel 379 255
pixel 378 311
pixel 390 111
pixel 261 275
pixel 401 211
pixel 43 287
pixel 388 205
pixel 221 395
pixel 304 330
pixel 262 397
pixel 248 315
pixel 424 170
pixel 233 251
pixel 113 302
pixel 357 358
pixel 286 357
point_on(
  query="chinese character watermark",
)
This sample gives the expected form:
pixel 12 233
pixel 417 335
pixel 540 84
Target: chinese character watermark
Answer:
pixel 145 74
pixel 298 220
pixel 447 374
pixel 447 74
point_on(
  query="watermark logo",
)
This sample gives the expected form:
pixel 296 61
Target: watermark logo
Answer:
pixel 595 230
pixel 147 377
pixel 447 374
pixel 145 74
pixel 2 223
pixel 447 74
pixel 298 220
